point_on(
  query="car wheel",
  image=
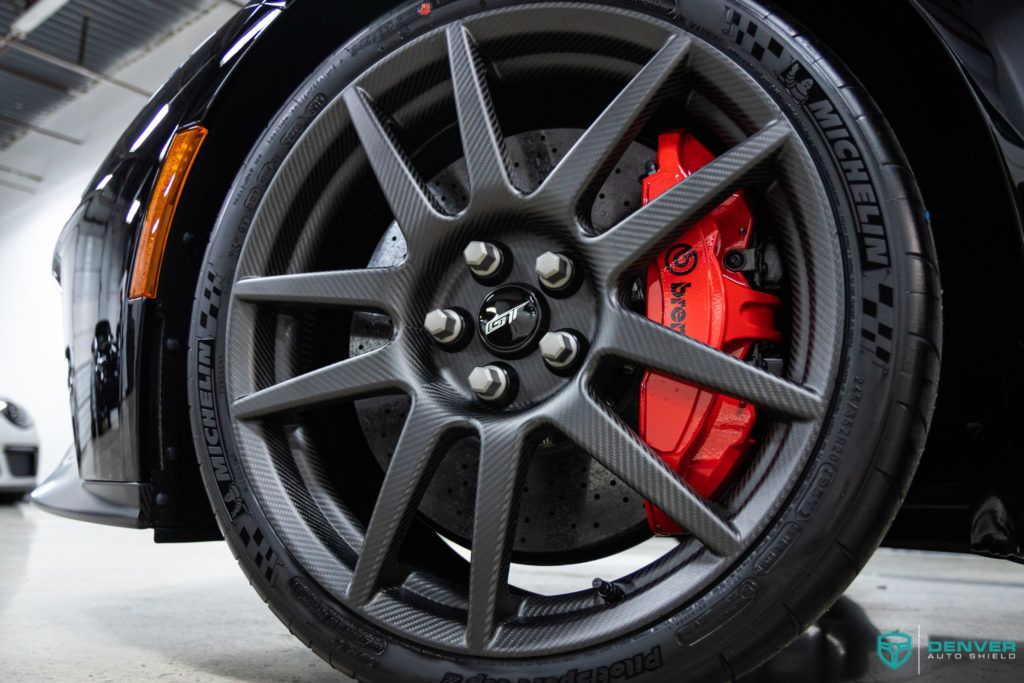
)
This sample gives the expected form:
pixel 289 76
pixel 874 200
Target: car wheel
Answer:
pixel 446 306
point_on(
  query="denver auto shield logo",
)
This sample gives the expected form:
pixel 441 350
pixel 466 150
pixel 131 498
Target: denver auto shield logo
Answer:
pixel 893 648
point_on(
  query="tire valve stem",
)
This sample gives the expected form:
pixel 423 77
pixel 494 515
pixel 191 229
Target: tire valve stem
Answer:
pixel 611 593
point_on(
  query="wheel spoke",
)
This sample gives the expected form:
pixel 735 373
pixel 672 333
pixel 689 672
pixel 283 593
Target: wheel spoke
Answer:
pixel 594 155
pixel 412 204
pixel 482 141
pixel 427 432
pixel 502 468
pixel 597 430
pixel 656 347
pixel 371 374
pixel 651 228
pixel 377 288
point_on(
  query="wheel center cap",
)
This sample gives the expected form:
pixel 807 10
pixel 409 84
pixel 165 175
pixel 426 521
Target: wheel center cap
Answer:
pixel 511 319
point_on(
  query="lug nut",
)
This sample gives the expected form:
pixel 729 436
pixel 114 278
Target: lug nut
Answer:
pixel 560 349
pixel 445 325
pixel 491 383
pixel 555 271
pixel 484 259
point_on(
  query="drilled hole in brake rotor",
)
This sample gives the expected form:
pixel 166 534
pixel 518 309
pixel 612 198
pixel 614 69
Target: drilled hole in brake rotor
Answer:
pixel 577 509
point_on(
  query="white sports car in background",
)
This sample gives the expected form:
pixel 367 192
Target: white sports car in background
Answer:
pixel 19 452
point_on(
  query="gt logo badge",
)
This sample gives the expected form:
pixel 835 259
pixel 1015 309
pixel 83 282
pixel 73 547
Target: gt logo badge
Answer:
pixel 506 318
pixel 510 320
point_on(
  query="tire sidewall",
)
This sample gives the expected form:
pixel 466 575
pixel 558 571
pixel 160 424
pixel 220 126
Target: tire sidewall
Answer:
pixel 832 486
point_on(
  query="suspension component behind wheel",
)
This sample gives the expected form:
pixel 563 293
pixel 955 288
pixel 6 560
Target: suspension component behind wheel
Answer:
pixel 696 288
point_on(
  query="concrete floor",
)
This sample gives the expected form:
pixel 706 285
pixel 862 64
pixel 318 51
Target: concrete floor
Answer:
pixel 70 596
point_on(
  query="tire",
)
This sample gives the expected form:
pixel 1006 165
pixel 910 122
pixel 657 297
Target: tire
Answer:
pixel 838 503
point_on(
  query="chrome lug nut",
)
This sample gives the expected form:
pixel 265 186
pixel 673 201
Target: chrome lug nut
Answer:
pixel 445 325
pixel 560 349
pixel 484 259
pixel 555 271
pixel 491 383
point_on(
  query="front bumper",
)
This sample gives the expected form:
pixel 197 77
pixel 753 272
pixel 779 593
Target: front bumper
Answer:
pixel 64 493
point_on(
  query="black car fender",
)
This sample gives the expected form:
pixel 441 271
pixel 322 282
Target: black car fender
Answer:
pixel 133 446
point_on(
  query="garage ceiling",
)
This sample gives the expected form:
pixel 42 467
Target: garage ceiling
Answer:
pixel 52 51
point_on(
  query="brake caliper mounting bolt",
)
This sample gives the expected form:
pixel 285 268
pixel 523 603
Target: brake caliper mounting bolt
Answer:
pixel 735 260
pixel 492 383
pixel 484 259
pixel 560 349
pixel 556 271
pixel 445 325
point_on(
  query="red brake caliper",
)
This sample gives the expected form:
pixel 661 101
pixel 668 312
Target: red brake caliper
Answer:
pixel 700 434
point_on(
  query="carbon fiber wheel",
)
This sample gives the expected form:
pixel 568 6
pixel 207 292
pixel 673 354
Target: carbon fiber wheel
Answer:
pixel 419 328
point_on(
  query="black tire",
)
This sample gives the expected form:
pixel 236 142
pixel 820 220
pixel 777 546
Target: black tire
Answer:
pixel 846 495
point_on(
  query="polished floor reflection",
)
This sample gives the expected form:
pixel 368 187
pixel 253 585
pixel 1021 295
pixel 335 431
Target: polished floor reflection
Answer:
pixel 81 602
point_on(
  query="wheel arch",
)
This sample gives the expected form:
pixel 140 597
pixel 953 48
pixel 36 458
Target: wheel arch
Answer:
pixel 950 133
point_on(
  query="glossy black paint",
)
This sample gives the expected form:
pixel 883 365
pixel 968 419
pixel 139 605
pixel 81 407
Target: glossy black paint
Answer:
pixel 984 37
pixel 946 72
pixel 126 367
pixel 106 332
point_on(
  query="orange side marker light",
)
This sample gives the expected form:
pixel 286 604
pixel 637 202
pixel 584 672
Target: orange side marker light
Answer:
pixel 149 259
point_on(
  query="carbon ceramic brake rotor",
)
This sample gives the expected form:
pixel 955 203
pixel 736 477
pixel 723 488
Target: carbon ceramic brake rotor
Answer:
pixel 572 508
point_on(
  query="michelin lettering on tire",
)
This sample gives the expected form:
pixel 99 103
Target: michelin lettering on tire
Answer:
pixel 748 34
pixel 213 437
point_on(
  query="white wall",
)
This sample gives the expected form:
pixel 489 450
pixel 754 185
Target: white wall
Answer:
pixel 33 371
pixel 32 368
